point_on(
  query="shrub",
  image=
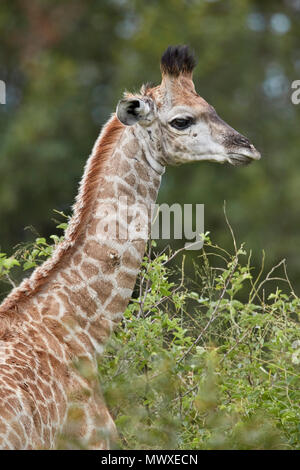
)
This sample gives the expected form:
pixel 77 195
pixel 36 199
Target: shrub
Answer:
pixel 210 362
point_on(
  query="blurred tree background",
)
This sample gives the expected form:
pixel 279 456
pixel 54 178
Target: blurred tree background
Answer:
pixel 66 64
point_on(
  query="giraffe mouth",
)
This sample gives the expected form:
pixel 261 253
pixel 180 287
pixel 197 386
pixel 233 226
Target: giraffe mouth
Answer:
pixel 239 160
pixel 245 158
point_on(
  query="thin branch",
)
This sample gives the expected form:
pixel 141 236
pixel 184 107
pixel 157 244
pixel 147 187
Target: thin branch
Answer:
pixel 229 226
pixel 214 313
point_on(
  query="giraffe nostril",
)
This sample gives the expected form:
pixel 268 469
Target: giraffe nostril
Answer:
pixel 241 141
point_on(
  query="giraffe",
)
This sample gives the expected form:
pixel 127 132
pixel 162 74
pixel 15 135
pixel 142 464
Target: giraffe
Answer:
pixel 54 325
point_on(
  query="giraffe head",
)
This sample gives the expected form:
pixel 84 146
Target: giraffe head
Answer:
pixel 176 124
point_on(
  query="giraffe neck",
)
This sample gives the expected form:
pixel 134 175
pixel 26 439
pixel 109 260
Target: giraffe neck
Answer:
pixel 87 291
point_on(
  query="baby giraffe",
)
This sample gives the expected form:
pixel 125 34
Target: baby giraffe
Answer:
pixel 55 324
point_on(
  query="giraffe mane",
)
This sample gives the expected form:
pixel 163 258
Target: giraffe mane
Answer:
pixel 102 149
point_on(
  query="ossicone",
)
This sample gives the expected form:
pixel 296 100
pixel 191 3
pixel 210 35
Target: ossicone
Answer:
pixel 178 60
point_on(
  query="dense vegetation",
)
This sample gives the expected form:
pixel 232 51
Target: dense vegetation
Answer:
pixel 208 362
pixel 66 65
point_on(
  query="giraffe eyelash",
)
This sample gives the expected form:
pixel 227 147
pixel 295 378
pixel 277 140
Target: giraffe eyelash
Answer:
pixel 182 123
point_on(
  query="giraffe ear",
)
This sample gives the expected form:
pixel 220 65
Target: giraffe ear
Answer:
pixel 132 110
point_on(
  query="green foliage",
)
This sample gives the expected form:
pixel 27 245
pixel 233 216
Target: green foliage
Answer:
pixel 194 367
pixel 65 77
pixel 28 256
pixel 208 362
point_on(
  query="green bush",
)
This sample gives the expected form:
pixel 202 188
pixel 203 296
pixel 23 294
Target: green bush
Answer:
pixel 194 367
pixel 205 363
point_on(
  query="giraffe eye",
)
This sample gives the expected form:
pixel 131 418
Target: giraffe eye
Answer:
pixel 181 123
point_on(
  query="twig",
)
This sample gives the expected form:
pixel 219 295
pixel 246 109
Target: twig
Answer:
pixel 214 314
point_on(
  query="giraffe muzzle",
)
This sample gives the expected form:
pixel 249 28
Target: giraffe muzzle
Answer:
pixel 241 151
pixel 241 159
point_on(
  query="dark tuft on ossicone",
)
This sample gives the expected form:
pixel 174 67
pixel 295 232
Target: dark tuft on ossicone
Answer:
pixel 177 60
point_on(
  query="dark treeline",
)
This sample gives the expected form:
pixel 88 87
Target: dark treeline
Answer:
pixel 66 65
